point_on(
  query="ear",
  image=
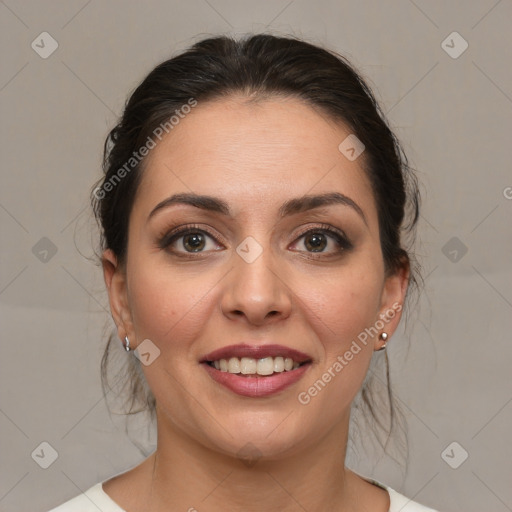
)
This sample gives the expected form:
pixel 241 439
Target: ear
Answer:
pixel 114 275
pixel 392 300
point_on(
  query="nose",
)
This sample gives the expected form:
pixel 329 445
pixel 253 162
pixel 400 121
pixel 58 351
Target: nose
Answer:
pixel 256 292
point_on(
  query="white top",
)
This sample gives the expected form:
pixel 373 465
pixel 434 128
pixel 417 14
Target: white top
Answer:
pixel 97 499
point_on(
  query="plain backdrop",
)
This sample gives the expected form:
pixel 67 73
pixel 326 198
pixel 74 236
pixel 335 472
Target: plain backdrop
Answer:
pixel 450 105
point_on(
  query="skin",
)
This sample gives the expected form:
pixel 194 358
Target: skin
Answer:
pixel 254 155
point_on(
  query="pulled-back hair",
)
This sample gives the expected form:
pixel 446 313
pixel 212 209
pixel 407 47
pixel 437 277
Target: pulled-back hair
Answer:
pixel 261 66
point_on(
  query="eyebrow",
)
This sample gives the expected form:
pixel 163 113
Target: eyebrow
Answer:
pixel 290 207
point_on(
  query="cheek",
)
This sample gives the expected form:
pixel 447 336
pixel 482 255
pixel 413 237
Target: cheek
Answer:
pixel 339 310
pixel 168 306
pixel 344 302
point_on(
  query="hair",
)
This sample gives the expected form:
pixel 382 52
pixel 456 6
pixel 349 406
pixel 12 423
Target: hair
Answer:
pixel 260 66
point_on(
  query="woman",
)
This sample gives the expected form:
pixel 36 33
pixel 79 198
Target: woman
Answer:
pixel 252 211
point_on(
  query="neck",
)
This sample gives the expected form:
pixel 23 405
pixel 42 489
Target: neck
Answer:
pixel 186 475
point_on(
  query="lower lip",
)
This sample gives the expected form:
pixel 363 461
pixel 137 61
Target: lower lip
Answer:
pixel 257 386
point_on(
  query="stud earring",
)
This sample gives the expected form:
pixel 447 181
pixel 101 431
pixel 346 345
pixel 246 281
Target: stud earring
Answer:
pixel 383 336
pixel 126 344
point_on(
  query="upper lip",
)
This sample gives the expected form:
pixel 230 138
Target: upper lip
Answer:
pixel 256 352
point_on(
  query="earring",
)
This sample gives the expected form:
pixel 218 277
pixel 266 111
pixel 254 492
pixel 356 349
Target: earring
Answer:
pixel 126 344
pixel 383 336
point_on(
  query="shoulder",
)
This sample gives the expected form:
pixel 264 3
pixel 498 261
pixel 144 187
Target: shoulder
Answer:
pixel 403 504
pixel 398 502
pixel 96 498
pixel 91 500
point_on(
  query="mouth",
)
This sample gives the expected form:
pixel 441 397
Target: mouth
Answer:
pixel 256 371
pixel 249 366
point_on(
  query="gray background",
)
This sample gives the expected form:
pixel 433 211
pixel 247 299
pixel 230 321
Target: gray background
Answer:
pixel 454 117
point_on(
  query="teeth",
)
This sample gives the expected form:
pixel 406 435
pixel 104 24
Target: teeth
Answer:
pixel 251 366
pixel 248 365
pixel 279 364
pixel 233 365
pixel 265 366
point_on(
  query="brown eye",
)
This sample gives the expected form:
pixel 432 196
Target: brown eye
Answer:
pixel 189 240
pixel 325 241
pixel 315 242
pixel 194 242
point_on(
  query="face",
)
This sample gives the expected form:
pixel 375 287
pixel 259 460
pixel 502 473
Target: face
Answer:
pixel 255 263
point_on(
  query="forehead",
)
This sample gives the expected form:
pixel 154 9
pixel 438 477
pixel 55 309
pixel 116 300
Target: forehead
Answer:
pixel 252 152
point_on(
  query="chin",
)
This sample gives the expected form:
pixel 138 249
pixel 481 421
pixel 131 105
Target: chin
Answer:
pixel 271 437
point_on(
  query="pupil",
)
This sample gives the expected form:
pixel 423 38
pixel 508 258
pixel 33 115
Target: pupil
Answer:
pixel 193 242
pixel 315 242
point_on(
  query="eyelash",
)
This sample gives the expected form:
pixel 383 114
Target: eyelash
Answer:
pixel 339 237
pixel 170 237
pixel 175 234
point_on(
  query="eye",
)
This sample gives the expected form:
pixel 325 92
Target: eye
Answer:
pixel 189 240
pixel 322 240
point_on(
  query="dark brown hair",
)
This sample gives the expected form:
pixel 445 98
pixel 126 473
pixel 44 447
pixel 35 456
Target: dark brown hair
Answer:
pixel 260 65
